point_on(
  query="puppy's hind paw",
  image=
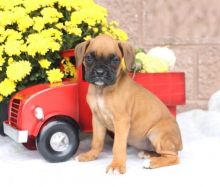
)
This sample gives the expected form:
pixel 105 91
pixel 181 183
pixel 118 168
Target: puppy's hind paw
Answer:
pixel 146 164
pixel 143 155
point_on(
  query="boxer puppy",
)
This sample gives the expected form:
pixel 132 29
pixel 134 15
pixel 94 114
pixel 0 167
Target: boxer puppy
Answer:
pixel 134 114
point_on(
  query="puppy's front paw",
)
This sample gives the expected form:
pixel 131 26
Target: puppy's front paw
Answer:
pixel 116 168
pixel 85 157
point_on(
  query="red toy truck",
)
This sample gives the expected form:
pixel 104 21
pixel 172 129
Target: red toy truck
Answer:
pixel 49 117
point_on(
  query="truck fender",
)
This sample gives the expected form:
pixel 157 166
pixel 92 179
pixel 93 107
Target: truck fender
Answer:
pixel 59 118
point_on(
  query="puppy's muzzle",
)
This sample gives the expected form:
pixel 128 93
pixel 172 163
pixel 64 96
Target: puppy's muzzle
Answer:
pixel 100 75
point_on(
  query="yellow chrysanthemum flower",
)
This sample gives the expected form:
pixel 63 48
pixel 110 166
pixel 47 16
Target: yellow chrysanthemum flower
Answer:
pixel 87 37
pixel 116 33
pixel 60 25
pixel 54 75
pixel 18 13
pixel 13 47
pixel 39 23
pixel 6 18
pixel 18 70
pixel 77 5
pixel 37 43
pixel 7 5
pixel 69 68
pixel 24 23
pixel 12 34
pixel 104 29
pixel 73 29
pixel 44 63
pixel 31 5
pixel 50 14
pixel 91 15
pixel 43 42
pixel 95 29
pixel 52 33
pixel 7 87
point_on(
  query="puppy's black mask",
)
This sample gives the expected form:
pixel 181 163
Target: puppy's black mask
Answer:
pixel 101 70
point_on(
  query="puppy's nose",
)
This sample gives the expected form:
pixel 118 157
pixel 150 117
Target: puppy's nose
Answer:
pixel 99 71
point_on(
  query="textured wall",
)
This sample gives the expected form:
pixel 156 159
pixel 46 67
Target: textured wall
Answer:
pixel 191 28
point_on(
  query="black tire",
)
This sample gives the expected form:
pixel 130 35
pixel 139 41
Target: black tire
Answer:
pixel 51 128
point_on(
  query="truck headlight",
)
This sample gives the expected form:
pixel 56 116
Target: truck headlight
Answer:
pixel 39 113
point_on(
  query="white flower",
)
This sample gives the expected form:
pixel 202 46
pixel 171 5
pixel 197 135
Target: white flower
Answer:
pixel 164 54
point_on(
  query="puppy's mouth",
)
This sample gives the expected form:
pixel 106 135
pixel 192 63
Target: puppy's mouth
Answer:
pixel 99 83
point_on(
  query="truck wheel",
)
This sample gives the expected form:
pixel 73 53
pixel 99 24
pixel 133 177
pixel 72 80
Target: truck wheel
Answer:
pixel 58 141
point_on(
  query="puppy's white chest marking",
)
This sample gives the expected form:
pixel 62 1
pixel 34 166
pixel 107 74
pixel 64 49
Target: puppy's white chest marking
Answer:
pixel 104 114
pixel 100 102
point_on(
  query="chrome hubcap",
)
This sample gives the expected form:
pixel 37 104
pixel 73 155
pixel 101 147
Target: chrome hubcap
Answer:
pixel 59 141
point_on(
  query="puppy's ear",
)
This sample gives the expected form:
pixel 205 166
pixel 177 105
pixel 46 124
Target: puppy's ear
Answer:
pixel 128 53
pixel 80 50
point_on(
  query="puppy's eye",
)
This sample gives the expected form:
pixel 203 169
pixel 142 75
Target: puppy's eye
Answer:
pixel 89 59
pixel 115 60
